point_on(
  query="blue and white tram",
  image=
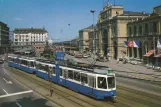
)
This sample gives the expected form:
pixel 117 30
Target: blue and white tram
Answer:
pixel 22 63
pixel 97 84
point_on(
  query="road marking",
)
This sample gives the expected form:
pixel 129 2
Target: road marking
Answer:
pixel 8 82
pixel 5 91
pixel 4 79
pixel 18 93
pixel 18 104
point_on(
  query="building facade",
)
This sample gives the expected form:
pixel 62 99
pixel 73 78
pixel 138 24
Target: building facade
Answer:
pixel 84 39
pixel 144 35
pixel 25 38
pixel 93 40
pixel 112 29
pixel 4 38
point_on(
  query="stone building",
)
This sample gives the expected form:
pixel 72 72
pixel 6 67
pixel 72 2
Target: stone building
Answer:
pixel 93 40
pixel 112 29
pixel 24 38
pixel 84 39
pixel 4 38
pixel 144 35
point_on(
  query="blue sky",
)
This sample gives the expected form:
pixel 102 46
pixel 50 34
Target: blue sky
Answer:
pixel 55 15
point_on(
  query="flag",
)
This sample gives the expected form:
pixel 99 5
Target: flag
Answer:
pixel 159 44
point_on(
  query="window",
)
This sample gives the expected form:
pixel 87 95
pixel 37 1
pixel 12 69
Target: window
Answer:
pixel 102 82
pixel 32 64
pixel 140 29
pixel 91 81
pixel 42 67
pixel 70 74
pixel 84 78
pixel 77 76
pixel 16 39
pixel 111 82
pixel 61 72
pixel 65 75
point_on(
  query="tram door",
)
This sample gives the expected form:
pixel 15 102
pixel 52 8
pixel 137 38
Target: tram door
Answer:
pixel 57 72
pixel 91 83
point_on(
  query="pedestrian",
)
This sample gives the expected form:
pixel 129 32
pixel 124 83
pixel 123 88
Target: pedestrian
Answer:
pixel 51 92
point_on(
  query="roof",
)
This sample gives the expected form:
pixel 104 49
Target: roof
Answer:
pixel 29 30
pixel 157 6
pixel 130 13
pixel 89 28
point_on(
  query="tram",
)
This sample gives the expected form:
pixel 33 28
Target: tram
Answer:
pixel 98 82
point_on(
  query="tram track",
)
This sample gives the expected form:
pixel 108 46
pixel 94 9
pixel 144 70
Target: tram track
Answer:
pixel 124 98
pixel 57 91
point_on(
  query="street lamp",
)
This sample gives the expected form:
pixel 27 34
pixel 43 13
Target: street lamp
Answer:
pixel 93 11
pixel 70 40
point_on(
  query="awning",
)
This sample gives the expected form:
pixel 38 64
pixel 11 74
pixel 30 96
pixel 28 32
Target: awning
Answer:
pixel 159 44
pixel 125 44
pixel 149 53
pixel 158 55
pixel 136 43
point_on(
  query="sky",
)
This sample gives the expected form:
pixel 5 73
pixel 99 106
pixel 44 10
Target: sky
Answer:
pixel 56 15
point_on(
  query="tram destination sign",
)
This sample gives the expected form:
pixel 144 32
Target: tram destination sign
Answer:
pixel 59 55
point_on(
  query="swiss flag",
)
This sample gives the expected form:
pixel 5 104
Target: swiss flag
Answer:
pixel 131 44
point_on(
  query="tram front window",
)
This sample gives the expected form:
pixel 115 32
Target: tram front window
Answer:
pixel 101 81
pixel 111 82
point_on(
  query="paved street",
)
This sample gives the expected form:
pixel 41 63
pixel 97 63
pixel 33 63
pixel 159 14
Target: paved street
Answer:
pixel 14 94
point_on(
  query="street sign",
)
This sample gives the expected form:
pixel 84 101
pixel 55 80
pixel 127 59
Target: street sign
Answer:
pixel 59 55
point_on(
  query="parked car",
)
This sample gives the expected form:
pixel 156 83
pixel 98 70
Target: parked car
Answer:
pixel 85 56
pixel 1 61
pixel 78 56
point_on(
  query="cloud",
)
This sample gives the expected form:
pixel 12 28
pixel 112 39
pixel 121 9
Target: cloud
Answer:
pixel 19 19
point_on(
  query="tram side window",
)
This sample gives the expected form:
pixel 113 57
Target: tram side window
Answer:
pixel 46 68
pixel 70 74
pixel 61 72
pixel 77 76
pixel 84 78
pixel 42 67
pixel 29 63
pixel 101 81
pixel 38 66
pixel 32 64
pixel 65 75
pixel 26 62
